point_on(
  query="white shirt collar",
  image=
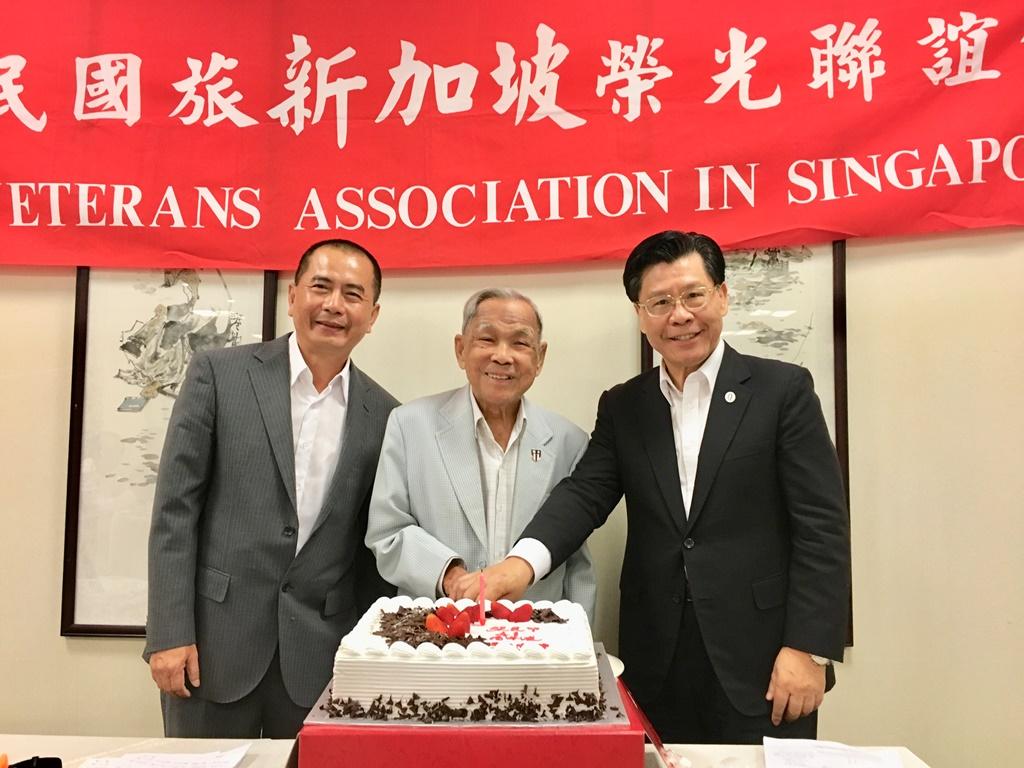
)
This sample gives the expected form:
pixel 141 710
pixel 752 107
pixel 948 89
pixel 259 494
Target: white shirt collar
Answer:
pixel 297 368
pixel 478 417
pixel 708 370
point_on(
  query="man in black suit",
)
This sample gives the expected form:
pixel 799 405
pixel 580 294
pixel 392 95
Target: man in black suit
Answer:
pixel 735 578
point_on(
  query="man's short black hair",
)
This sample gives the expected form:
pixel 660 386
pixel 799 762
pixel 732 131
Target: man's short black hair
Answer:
pixel 345 245
pixel 666 247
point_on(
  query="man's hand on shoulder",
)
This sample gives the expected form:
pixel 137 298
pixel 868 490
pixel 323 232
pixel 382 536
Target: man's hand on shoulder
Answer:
pixel 169 668
pixel 797 686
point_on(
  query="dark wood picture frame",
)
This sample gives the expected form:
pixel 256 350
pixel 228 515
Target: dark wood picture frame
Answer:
pixel 69 627
pixel 839 374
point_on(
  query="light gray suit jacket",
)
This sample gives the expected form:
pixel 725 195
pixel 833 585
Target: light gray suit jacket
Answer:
pixel 428 502
pixel 223 572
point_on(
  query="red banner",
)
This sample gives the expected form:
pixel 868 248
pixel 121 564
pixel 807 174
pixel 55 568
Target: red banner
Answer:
pixel 233 134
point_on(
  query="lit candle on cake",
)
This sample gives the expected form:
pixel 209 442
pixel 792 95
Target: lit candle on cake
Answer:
pixel 480 596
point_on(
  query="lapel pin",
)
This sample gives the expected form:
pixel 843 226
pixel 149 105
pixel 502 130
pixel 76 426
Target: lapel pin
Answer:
pixel 730 396
pixel 535 454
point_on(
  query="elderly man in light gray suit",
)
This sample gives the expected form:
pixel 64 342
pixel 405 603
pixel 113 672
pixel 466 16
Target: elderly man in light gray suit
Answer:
pixel 462 472
pixel 256 559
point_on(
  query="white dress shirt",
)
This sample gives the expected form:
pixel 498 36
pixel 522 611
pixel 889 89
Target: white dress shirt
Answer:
pixel 690 415
pixel 689 410
pixel 318 421
pixel 497 480
pixel 497 477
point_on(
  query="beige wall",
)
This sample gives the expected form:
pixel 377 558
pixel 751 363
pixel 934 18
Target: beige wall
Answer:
pixel 936 365
pixel 936 361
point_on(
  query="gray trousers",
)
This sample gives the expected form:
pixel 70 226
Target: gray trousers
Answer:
pixel 265 712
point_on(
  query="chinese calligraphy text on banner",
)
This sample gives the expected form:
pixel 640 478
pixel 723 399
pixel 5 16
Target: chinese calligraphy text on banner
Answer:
pixel 213 134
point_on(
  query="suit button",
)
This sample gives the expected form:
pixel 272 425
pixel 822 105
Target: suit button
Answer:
pixel 288 532
pixel 286 587
pixel 688 543
pixel 675 599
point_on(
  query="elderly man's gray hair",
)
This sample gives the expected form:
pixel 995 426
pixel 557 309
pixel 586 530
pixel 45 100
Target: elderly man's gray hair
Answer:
pixel 478 298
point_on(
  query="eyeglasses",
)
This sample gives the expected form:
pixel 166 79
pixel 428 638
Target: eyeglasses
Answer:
pixel 692 300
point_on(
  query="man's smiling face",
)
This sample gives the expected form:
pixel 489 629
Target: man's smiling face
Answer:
pixel 332 305
pixel 684 339
pixel 501 352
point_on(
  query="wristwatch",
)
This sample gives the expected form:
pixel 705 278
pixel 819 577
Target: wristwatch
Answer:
pixel 821 661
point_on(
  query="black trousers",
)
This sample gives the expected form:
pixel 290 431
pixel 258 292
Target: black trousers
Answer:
pixel 265 712
pixel 693 708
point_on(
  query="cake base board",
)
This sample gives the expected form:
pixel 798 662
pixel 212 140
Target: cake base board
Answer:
pixel 329 742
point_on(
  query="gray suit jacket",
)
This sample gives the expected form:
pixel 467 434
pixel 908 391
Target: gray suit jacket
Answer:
pixel 223 572
pixel 428 503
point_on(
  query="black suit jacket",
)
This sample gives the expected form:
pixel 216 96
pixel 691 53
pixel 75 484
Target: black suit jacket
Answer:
pixel 765 545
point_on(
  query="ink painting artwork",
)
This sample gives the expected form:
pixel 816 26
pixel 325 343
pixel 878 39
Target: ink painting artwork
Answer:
pixel 134 339
pixel 780 306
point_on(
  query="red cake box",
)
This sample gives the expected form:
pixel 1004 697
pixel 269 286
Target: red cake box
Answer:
pixel 401 745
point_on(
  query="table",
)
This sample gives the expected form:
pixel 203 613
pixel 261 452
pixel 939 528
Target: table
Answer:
pixel 266 753
pixel 742 756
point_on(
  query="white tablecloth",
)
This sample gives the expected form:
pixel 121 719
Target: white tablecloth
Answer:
pixel 740 756
pixel 276 754
pixel 264 753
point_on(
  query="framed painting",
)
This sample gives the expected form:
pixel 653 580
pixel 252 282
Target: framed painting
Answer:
pixel 135 333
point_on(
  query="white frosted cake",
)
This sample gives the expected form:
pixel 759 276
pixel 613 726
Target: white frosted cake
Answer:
pixel 421 659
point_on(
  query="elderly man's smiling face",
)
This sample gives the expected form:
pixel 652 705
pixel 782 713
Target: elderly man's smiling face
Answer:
pixel 501 352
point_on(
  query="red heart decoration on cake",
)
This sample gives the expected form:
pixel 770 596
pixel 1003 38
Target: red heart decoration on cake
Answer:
pixel 500 610
pixel 446 612
pixel 459 627
pixel 523 613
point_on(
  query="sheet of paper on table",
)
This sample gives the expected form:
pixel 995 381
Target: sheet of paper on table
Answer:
pixel 227 759
pixel 807 753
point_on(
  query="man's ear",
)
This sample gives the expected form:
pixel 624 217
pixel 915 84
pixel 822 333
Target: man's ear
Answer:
pixel 373 317
pixel 459 349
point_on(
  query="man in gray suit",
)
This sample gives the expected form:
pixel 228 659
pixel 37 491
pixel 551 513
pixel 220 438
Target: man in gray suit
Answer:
pixel 462 472
pixel 256 558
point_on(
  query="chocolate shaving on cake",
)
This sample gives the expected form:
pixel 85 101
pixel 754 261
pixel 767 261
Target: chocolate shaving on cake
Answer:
pixel 344 708
pixel 407 625
pixel 588 707
pixel 524 706
pixel 546 616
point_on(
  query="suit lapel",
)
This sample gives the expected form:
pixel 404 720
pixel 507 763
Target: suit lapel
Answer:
pixel 535 464
pixel 654 421
pixel 723 419
pixel 269 378
pixel 456 442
